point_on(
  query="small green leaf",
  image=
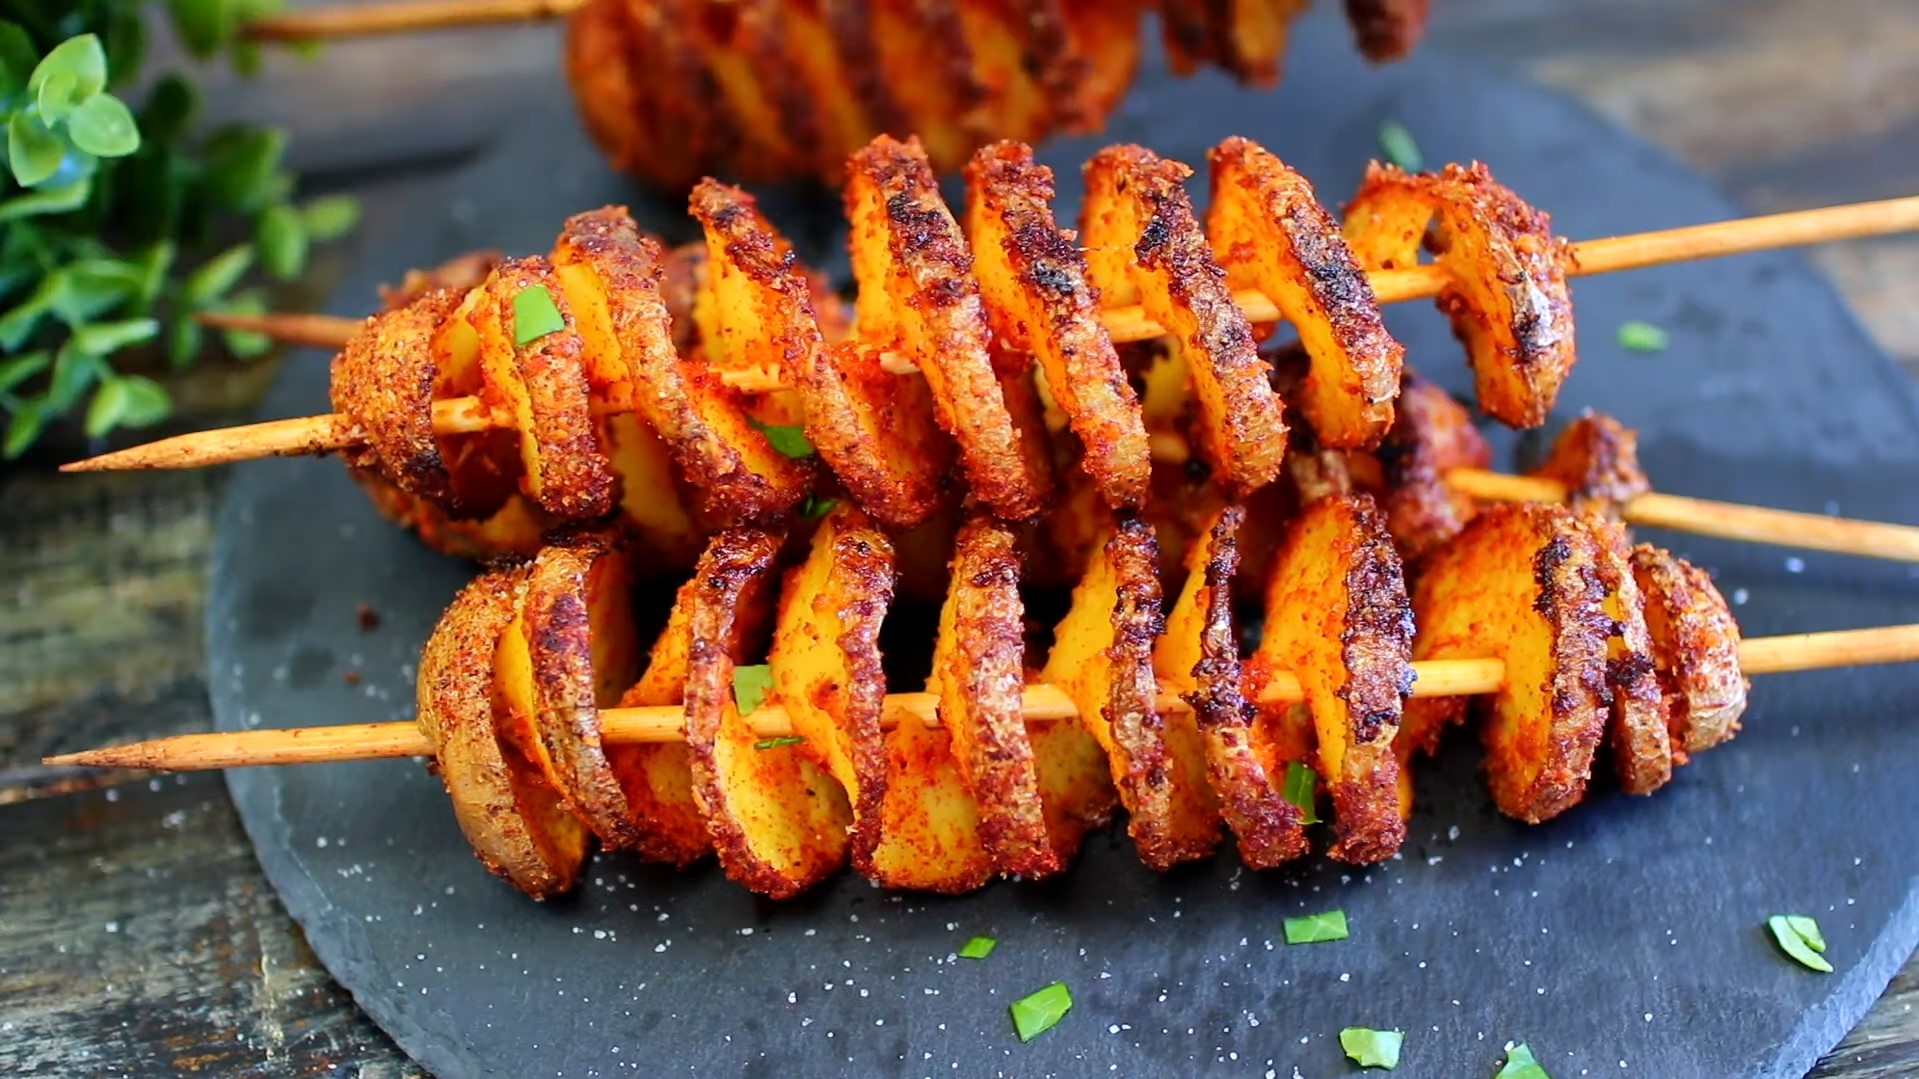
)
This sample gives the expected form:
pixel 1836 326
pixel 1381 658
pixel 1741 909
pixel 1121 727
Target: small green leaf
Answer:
pixel 18 369
pixel 103 126
pixel 55 96
pixel 1520 1064
pixel 147 401
pixel 18 58
pixel 105 338
pixel 978 948
pixel 126 43
pixel 23 429
pixel 282 240
pixel 750 686
pixel 788 439
pixel 184 341
pixel 1397 144
pixel 94 287
pixel 535 315
pixel 170 109
pixel 204 26
pixel 1638 336
pixel 1317 928
pixel 33 152
pixel 74 373
pixel 1041 1011
pixel 1371 1048
pixel 109 404
pixel 1787 930
pixel 154 262
pixel 216 277
pixel 814 507
pixel 780 742
pixel 19 323
pixel 82 59
pixel 47 201
pixel 243 168
pixel 1302 789
pixel 330 217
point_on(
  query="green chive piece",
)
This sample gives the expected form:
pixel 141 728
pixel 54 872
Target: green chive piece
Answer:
pixel 1799 937
pixel 1315 928
pixel 789 439
pixel 1302 787
pixel 815 507
pixel 1397 144
pixel 1372 1048
pixel 978 948
pixel 1036 1014
pixel 535 315
pixel 1639 336
pixel 1520 1064
pixel 750 686
pixel 775 743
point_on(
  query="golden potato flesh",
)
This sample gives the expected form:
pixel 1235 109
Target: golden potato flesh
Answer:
pixel 665 537
pixel 978 673
pixel 1039 301
pixel 1597 458
pixel 929 822
pixel 1431 435
pixel 1102 658
pixel 918 297
pixel 1246 37
pixel 657 778
pixel 516 529
pixel 1144 245
pixel 1270 232
pixel 1520 584
pixel 483 467
pixel 826 662
pixel 513 819
pixel 1695 650
pixel 877 431
pixel 1339 619
pixel 1198 658
pixel 540 382
pixel 778 821
pixel 1507 300
pixel 1636 732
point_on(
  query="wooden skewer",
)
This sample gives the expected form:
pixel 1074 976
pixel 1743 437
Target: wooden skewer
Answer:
pixel 1042 703
pixel 401 16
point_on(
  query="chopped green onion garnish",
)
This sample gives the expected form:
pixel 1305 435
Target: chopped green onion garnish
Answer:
pixel 775 743
pixel 816 507
pixel 535 315
pixel 1799 937
pixel 1035 1015
pixel 1302 788
pixel 750 685
pixel 1372 1048
pixel 1638 336
pixel 1314 928
pixel 789 439
pixel 978 948
pixel 1397 144
pixel 1520 1064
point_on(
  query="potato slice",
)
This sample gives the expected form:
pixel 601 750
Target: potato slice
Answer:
pixel 1695 650
pixel 929 823
pixel 1597 458
pixel 1338 618
pixel 927 65
pixel 918 296
pixel 1008 68
pixel 1106 33
pixel 1432 434
pixel 1102 658
pixel 1520 583
pixel 516 530
pixel 878 433
pixel 1271 233
pixel 831 50
pixel 741 45
pixel 383 382
pixel 1143 245
pixel 665 537
pixel 978 661
pixel 1508 299
pixel 484 467
pixel 515 822
pixel 657 778
pixel 1387 29
pixel 826 663
pixel 777 820
pixel 1636 732
pixel 1245 37
pixel 1039 301
pixel 1198 658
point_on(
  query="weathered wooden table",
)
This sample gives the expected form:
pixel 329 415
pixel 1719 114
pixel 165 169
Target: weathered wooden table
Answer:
pixel 137 935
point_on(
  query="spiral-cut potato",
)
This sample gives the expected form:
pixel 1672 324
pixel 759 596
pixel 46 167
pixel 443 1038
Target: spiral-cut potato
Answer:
pixel 1431 435
pixel 1636 728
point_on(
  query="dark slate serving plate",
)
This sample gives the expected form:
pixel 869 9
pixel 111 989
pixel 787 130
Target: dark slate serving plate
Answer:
pixel 1624 938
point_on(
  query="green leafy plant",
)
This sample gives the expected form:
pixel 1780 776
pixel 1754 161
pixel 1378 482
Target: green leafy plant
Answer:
pixel 119 224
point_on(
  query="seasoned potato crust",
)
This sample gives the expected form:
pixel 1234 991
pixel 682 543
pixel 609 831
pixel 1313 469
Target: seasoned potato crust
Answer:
pixel 1695 648
pixel 1432 434
pixel 1597 458
pixel 383 382
pixel 1636 732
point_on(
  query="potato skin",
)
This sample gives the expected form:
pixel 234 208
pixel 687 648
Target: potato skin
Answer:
pixel 1597 458
pixel 383 381
pixel 1695 649
pixel 1431 435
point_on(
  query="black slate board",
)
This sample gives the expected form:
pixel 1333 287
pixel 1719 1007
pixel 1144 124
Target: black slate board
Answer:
pixel 1623 939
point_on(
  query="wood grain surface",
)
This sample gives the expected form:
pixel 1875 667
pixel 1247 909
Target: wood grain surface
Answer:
pixel 137 935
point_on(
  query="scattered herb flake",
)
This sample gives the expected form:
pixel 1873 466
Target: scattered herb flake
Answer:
pixel 750 685
pixel 1397 144
pixel 1302 788
pixel 1799 937
pixel 775 743
pixel 816 507
pixel 978 948
pixel 1372 1048
pixel 1315 928
pixel 1640 336
pixel 1036 1014
pixel 535 315
pixel 789 439
pixel 1520 1064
